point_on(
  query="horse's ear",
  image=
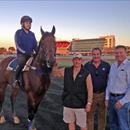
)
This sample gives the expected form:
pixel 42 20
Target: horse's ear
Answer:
pixel 42 32
pixel 53 30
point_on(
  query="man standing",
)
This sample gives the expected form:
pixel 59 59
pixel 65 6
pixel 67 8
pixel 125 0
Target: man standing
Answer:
pixel 99 71
pixel 118 91
pixel 77 93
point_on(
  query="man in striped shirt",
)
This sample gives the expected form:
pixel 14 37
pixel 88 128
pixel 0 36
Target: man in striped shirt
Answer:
pixel 118 91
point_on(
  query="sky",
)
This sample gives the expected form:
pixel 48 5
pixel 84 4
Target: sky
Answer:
pixel 81 19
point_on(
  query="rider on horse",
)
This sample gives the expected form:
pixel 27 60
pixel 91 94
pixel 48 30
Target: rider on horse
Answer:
pixel 26 44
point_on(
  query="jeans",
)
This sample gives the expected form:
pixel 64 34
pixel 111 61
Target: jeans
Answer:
pixel 22 59
pixel 119 119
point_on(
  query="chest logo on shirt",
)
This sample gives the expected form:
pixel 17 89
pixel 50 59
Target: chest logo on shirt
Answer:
pixel 80 76
pixel 103 69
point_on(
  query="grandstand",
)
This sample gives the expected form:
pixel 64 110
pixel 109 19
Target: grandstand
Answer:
pixel 84 46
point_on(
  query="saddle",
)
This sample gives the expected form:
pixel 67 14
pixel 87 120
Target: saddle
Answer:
pixel 13 64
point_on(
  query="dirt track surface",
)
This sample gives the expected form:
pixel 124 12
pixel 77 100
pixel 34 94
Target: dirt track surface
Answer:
pixel 49 115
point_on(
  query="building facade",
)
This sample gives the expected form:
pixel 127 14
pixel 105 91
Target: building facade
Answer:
pixel 85 46
pixel 110 41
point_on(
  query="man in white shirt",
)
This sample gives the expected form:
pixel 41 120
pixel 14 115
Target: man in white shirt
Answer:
pixel 118 91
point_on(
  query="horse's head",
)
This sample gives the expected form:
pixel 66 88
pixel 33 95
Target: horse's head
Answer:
pixel 47 48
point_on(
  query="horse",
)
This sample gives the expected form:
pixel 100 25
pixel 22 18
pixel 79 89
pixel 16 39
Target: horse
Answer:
pixel 36 80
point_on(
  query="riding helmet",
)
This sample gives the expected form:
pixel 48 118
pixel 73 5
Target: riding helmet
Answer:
pixel 25 18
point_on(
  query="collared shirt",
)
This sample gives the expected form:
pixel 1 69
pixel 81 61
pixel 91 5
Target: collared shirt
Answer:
pixel 119 81
pixel 25 42
pixel 99 75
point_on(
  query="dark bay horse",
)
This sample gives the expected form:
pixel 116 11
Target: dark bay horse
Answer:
pixel 36 80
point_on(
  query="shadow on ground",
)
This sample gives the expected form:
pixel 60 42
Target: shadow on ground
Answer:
pixel 49 115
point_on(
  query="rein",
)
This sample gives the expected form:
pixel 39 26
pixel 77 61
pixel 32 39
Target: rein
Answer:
pixel 39 67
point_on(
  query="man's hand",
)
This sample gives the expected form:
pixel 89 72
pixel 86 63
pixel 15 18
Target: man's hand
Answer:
pixel 106 103
pixel 88 107
pixel 57 71
pixel 118 105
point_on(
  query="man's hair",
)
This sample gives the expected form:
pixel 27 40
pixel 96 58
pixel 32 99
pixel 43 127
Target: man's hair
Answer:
pixel 121 46
pixel 96 48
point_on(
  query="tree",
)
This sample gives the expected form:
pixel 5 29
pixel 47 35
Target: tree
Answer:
pixel 11 50
pixel 3 50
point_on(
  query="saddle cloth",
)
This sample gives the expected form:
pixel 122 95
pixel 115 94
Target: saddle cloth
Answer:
pixel 13 64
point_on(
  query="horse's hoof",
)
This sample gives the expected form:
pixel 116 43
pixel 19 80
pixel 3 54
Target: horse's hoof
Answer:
pixel 16 120
pixel 2 119
pixel 30 127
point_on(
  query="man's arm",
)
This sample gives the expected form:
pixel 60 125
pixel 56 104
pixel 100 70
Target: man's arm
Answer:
pixel 107 97
pixel 89 88
pixel 59 72
pixel 126 98
pixel 110 70
pixel 90 92
pixel 18 42
pixel 107 91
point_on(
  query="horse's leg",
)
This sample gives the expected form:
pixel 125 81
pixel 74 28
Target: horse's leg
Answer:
pixel 2 94
pixel 15 91
pixel 31 108
pixel 30 111
pixel 31 116
pixel 30 102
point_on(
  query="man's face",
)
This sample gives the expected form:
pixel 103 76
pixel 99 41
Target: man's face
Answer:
pixel 120 54
pixel 77 62
pixel 96 55
pixel 26 25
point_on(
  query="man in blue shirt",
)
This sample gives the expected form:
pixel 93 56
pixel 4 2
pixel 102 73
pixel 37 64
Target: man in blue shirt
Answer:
pixel 26 44
pixel 99 71
pixel 118 91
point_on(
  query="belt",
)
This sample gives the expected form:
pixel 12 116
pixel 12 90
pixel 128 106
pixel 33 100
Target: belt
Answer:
pixel 100 91
pixel 117 94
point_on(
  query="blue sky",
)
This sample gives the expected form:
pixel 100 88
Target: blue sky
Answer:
pixel 73 19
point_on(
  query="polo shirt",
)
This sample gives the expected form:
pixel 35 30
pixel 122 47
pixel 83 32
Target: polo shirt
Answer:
pixel 99 75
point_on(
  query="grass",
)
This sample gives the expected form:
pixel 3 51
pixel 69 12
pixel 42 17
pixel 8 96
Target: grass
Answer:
pixel 64 61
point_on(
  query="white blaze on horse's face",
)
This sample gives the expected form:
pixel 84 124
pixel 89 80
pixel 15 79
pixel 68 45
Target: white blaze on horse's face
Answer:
pixel 48 46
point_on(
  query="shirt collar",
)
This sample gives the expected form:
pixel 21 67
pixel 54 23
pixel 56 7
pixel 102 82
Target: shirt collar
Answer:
pixel 123 63
pixel 91 62
pixel 25 32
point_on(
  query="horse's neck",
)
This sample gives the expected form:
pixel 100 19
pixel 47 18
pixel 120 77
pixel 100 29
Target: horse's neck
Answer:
pixel 36 62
